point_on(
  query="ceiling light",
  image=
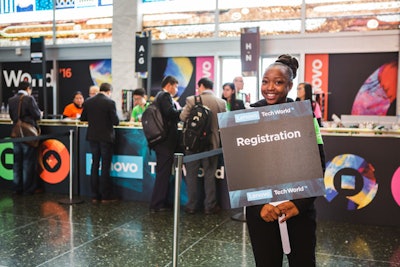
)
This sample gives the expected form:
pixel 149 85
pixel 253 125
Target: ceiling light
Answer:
pixel 236 16
pixel 99 21
pixel 245 11
pixel 357 7
pixel 372 24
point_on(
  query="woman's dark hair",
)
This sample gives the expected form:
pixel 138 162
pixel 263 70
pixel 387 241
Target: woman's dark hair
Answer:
pixel 290 62
pixel 308 94
pixel 233 96
pixel 307 90
pixel 77 93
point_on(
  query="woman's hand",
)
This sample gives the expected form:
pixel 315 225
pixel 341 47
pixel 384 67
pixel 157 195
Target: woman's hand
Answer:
pixel 288 209
pixel 270 213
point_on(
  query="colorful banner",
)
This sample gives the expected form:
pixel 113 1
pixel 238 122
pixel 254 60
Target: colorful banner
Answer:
pixel 271 154
pixel 204 68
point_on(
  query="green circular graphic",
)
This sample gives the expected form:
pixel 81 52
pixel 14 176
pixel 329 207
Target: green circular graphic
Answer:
pixel 7 160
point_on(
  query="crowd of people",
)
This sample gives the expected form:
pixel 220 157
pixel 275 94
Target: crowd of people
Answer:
pixel 99 110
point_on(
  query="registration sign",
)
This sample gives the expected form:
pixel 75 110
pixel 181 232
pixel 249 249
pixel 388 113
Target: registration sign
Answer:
pixel 271 154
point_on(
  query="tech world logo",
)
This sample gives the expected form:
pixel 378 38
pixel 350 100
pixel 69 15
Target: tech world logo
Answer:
pixel 352 177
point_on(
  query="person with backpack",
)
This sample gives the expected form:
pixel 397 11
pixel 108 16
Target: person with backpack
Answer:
pixel 209 165
pixel 166 148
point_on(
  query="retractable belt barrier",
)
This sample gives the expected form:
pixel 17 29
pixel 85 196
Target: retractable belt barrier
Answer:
pixel 179 160
pixel 202 155
pixel 32 138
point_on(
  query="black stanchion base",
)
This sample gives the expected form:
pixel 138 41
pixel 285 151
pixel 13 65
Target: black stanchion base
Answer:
pixel 241 217
pixel 70 201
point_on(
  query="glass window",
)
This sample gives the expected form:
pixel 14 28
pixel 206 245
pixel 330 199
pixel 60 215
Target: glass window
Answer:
pixel 179 19
pixel 272 17
pixel 356 15
pixel 76 21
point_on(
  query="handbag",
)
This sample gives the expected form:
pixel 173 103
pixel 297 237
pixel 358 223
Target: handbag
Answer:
pixel 24 129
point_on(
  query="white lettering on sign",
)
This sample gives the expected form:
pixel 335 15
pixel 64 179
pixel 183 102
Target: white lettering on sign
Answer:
pixel 13 78
pixel 124 166
pixel 317 73
pixel 206 69
pixel 266 138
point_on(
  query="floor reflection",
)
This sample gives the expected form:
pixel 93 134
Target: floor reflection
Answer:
pixel 38 230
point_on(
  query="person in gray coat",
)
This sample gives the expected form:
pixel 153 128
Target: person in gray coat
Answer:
pixel 216 105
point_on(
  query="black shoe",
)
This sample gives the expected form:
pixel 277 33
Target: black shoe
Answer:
pixel 216 209
pixel 190 211
pixel 106 201
pixel 159 210
pixel 17 193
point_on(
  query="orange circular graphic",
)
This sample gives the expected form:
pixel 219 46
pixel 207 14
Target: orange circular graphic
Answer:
pixel 53 161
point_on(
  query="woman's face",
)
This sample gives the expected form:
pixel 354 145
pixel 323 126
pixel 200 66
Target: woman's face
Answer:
pixel 275 85
pixel 301 93
pixel 78 100
pixel 227 91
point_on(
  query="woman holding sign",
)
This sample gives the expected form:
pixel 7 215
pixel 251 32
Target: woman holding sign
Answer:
pixel 300 215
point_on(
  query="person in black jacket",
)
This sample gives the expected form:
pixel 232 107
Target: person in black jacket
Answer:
pixel 100 113
pixel 165 150
pixel 300 214
pixel 229 95
pixel 25 156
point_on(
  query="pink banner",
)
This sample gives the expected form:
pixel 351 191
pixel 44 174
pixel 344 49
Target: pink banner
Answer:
pixel 204 68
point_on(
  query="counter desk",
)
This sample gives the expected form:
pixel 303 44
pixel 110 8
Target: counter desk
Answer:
pixel 53 160
pixel 362 176
pixel 132 170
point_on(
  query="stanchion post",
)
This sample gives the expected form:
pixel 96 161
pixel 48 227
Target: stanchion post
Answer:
pixel 177 201
pixel 71 151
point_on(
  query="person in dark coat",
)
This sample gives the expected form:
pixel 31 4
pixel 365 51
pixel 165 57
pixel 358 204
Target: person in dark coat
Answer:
pixel 166 149
pixel 101 114
pixel 229 95
pixel 25 156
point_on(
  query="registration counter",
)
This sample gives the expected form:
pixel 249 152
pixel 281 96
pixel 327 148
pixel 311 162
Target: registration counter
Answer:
pixel 53 160
pixel 132 170
pixel 362 177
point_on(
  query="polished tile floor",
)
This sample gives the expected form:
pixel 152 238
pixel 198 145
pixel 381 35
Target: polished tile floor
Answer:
pixel 40 231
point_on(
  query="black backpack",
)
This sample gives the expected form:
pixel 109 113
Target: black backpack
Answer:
pixel 197 128
pixel 154 127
